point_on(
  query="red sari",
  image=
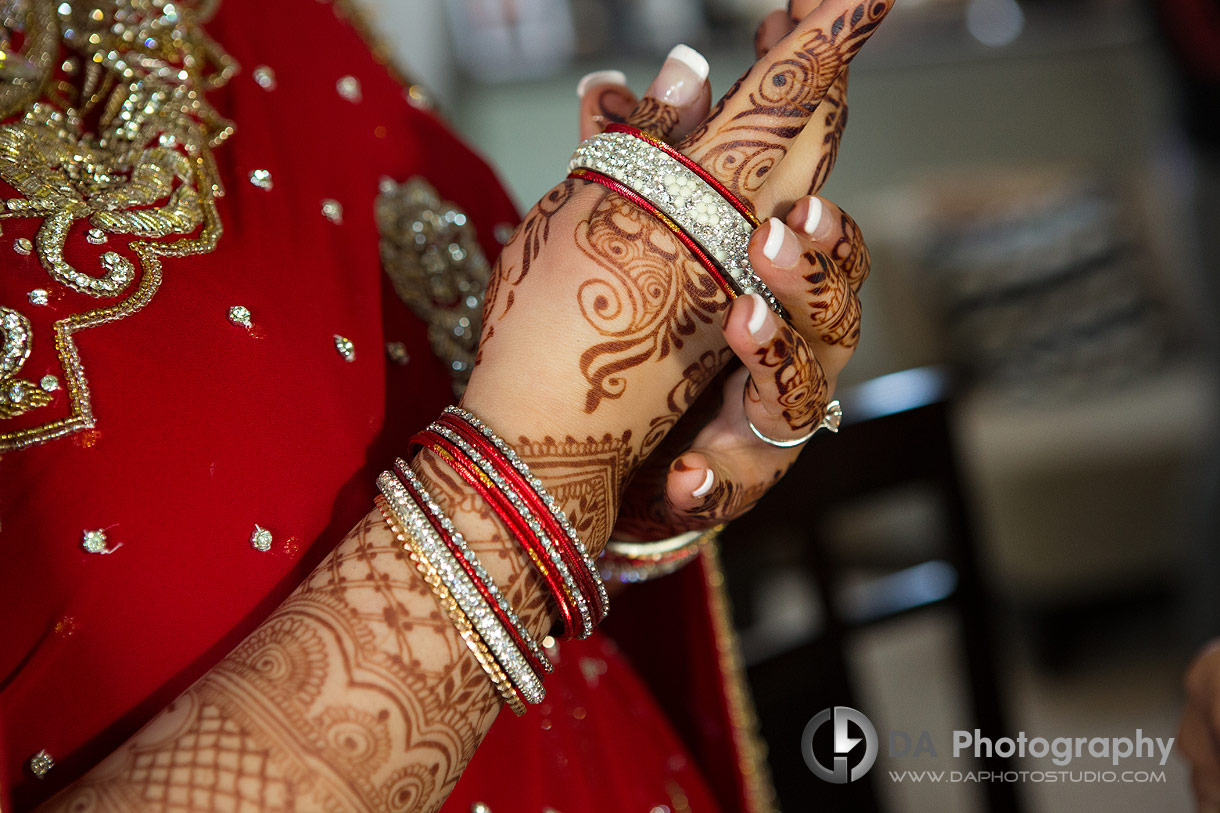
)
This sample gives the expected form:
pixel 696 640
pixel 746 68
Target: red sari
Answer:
pixel 219 366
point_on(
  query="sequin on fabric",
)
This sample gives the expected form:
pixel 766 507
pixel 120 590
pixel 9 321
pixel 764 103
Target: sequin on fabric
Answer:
pixel 110 128
pixel 41 764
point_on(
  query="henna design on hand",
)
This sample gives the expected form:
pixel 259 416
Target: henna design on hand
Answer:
pixel 585 477
pixel 526 246
pixel 652 299
pixel 696 378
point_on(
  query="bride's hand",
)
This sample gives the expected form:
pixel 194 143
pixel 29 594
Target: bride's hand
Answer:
pixel 600 330
pixel 711 468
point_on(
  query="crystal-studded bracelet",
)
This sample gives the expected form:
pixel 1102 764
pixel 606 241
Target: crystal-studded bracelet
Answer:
pixel 683 199
pixel 452 609
pixel 428 545
pixel 469 562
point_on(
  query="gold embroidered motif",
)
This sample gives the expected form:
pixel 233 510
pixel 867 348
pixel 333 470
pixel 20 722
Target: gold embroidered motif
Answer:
pixel 16 394
pixel 107 122
pixel 429 251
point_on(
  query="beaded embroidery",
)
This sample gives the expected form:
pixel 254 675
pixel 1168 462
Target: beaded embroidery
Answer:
pixel 106 122
pixel 429 251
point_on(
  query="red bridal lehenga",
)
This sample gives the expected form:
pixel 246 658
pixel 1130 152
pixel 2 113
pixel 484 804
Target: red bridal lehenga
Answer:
pixel 241 262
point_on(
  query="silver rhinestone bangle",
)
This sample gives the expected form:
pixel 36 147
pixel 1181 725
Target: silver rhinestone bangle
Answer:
pixel 573 591
pixel 684 197
pixel 462 589
pixel 552 506
pixel 469 555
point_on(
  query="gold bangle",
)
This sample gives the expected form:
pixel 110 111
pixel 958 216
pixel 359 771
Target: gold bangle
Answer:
pixel 433 579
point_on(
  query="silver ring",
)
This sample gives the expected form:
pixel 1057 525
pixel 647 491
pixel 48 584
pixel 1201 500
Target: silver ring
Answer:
pixel 830 420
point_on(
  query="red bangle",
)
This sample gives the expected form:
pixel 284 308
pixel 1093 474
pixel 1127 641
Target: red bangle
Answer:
pixel 737 203
pixel 529 495
pixel 531 654
pixel 511 518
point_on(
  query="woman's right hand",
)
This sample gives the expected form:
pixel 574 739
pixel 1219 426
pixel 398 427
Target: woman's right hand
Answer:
pixel 599 328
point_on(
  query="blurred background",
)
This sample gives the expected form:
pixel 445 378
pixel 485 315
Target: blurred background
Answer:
pixel 1021 531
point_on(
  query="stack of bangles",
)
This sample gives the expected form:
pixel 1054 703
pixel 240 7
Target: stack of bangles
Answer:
pixel 487 623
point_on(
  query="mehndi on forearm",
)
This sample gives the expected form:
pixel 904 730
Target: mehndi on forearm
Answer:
pixel 356 693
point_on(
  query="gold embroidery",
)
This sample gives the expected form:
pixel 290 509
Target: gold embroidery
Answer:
pixel 107 122
pixel 429 251
pixel 16 394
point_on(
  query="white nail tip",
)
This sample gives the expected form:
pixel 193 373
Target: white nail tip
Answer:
pixel 706 486
pixel 599 78
pixel 775 238
pixel 691 58
pixel 758 314
pixel 814 217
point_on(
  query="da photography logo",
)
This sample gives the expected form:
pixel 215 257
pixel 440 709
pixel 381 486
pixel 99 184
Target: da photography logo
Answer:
pixel 845 723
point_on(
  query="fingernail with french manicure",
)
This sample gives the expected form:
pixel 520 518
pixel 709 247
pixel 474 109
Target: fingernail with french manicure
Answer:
pixel 681 77
pixel 781 246
pixel 708 480
pixel 760 325
pixel 816 224
pixel 599 78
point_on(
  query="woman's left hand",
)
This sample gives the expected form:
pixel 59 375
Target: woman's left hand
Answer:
pixel 712 467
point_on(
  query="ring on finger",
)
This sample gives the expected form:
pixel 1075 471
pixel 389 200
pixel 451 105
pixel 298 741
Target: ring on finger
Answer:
pixel 831 419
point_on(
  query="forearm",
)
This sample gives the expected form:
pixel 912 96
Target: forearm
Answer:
pixel 357 693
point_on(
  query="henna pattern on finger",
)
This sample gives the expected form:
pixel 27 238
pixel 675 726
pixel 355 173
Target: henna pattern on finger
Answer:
pixel 655 117
pixel 727 500
pixel 750 131
pixel 851 253
pixel 801 389
pixel 652 298
pixel 605 96
pixel 693 403
pixel 833 110
pixel 833 307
